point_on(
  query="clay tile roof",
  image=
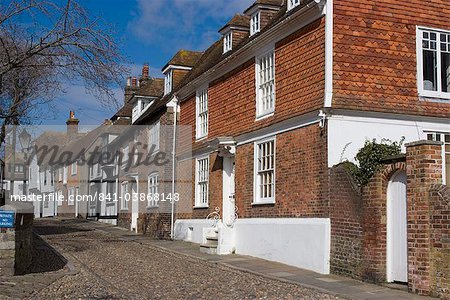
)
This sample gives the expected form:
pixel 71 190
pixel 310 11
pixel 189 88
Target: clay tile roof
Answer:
pixel 211 56
pixel 277 3
pixel 153 87
pixel 238 20
pixel 125 111
pixel 184 58
pixel 270 2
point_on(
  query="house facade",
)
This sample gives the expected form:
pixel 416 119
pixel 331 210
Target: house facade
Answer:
pixel 291 90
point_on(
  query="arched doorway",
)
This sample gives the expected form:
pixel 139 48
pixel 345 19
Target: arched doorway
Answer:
pixel 396 229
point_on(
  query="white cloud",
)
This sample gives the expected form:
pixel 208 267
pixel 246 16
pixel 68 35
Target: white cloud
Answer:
pixel 190 24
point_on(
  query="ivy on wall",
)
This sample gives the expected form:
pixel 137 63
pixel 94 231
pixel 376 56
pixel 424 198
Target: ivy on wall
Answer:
pixel 370 157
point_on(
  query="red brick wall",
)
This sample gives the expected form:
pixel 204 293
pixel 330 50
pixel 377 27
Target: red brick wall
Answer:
pixel 358 223
pixel 375 54
pixel 374 219
pixel 300 174
pixel 346 210
pixel 186 209
pixel 424 171
pixel 299 76
pixel 440 240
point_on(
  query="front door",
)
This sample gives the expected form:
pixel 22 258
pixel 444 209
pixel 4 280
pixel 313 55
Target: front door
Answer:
pixel 397 238
pixel 228 205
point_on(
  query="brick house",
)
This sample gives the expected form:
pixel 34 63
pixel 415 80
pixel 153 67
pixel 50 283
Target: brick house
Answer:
pixel 151 130
pixel 290 90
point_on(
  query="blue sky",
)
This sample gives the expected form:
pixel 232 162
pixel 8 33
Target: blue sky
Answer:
pixel 150 31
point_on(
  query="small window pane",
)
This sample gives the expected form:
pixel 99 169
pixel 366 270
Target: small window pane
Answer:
pixel 429 70
pixel 445 72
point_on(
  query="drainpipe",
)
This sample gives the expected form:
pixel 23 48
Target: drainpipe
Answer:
pixel 328 53
pixel 175 107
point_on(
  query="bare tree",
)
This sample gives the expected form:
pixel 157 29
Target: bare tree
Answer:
pixel 46 43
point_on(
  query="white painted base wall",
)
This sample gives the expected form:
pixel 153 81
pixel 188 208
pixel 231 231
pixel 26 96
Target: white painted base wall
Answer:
pixel 299 242
pixel 191 230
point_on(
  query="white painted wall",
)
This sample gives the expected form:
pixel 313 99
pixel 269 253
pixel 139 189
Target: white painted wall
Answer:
pixel 300 242
pixel 354 130
pixel 191 230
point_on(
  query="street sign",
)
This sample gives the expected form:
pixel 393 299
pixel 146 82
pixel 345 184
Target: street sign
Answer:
pixel 6 219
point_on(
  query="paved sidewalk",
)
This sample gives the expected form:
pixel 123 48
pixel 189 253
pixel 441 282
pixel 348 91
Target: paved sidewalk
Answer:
pixel 336 285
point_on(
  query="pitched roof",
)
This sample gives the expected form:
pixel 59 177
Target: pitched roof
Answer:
pixel 80 145
pixel 184 58
pixel 277 3
pixel 239 21
pixel 153 87
pixel 214 55
pixel 125 111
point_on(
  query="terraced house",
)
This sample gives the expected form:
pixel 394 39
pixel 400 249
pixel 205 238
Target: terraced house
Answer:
pixel 291 90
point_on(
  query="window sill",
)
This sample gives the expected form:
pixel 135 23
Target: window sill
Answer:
pixel 267 202
pixel 200 138
pixel 152 207
pixel 200 206
pixel 264 116
pixel 435 98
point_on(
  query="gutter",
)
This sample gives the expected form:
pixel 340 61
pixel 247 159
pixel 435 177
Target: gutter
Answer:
pixel 328 54
pixel 174 139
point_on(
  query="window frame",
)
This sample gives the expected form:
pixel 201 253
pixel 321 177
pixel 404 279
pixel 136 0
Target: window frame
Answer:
pixel 198 202
pixel 228 42
pixel 71 192
pixel 205 93
pixel 168 82
pixel 419 55
pixel 293 4
pixel 124 161
pixel 255 23
pixel 65 174
pixel 257 200
pixel 123 199
pixel 74 168
pixel 155 126
pixel 441 135
pixel 258 59
pixel 150 202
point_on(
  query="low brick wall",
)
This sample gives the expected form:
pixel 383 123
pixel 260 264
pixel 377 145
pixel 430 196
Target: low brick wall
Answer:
pixel 7 251
pixel 358 221
pixel 155 224
pixel 440 241
pixel 16 243
pixel 346 228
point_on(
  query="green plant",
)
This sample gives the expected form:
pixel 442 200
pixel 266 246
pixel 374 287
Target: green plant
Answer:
pixel 370 156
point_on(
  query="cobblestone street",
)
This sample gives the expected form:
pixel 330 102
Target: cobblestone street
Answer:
pixel 110 266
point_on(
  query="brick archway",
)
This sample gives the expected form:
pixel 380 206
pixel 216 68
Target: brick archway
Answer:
pixel 374 220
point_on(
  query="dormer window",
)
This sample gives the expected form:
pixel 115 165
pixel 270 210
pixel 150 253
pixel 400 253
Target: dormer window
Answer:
pixel 254 23
pixel 227 42
pixel 140 106
pixel 293 3
pixel 168 82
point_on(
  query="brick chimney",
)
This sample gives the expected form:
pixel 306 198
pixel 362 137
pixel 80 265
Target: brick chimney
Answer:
pixel 72 126
pixel 145 71
pixel 130 89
